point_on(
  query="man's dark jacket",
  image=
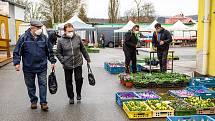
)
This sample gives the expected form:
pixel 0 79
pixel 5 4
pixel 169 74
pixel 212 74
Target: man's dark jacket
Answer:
pixel 165 36
pixel 130 41
pixel 34 52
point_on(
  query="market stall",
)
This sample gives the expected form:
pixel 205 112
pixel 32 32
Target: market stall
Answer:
pixel 151 67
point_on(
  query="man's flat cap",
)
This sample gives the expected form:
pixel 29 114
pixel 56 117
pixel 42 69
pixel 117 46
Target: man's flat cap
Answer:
pixel 36 23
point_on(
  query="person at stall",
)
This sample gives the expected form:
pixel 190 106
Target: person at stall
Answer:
pixel 161 40
pixel 69 52
pixel 129 48
pixel 102 39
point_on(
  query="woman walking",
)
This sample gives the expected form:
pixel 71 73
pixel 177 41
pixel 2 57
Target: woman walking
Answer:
pixel 69 52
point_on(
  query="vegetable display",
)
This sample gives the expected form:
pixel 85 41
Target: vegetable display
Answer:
pixel 200 103
pixel 158 105
pixel 136 106
pixel 148 95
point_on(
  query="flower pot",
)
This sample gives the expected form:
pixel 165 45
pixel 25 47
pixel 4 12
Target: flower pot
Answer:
pixel 122 82
pixel 129 84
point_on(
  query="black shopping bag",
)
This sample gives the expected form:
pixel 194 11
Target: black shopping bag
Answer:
pixel 52 82
pixel 91 78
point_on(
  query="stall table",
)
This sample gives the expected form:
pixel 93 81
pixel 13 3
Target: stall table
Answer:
pixel 152 55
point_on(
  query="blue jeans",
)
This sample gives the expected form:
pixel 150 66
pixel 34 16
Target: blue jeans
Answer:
pixel 30 83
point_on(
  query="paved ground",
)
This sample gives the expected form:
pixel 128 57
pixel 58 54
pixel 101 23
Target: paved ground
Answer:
pixel 98 102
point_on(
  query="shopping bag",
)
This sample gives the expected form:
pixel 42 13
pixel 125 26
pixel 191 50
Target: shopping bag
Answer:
pixel 91 78
pixel 52 82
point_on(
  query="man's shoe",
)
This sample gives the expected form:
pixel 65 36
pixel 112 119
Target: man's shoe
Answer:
pixel 71 101
pixel 33 105
pixel 44 107
pixel 78 97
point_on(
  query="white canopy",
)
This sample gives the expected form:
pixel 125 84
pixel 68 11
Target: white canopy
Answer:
pixel 77 23
pixel 127 27
pixel 178 26
pixel 73 19
pixel 194 28
pixel 151 27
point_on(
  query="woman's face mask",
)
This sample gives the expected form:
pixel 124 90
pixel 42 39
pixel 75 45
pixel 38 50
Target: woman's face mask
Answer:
pixel 70 34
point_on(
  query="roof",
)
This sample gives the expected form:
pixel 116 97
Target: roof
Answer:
pixel 125 28
pixel 14 3
pixel 77 23
pixel 178 26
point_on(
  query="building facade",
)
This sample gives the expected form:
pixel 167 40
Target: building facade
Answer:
pixel 11 16
pixel 206 38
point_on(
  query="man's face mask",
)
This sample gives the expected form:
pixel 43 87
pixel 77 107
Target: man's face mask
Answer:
pixel 38 32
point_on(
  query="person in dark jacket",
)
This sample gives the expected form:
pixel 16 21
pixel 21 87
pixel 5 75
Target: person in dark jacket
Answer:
pixel 129 48
pixel 102 39
pixel 53 37
pixel 161 40
pixel 33 48
pixel 69 52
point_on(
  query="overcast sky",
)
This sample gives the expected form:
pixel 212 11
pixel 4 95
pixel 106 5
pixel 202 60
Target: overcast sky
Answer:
pixel 99 8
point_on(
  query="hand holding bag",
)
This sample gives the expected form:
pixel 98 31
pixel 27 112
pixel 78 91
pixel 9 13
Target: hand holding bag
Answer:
pixel 52 82
pixel 91 78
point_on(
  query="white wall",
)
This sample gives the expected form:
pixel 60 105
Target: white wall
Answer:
pixel 12 25
pixel 19 13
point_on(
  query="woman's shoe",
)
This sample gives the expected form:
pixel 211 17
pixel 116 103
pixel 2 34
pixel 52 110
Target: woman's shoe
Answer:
pixel 71 101
pixel 79 98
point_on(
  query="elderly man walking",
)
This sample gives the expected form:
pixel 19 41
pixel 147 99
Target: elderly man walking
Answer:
pixel 34 49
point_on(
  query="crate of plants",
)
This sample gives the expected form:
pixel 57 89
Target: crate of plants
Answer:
pixel 201 91
pixel 160 108
pixel 137 110
pixel 137 80
pixel 181 94
pixel 115 67
pixel 169 57
pixel 148 95
pixel 182 108
pixel 203 106
pixel 152 61
pixel 93 50
pixel 125 96
pixel 190 118
pixel 208 82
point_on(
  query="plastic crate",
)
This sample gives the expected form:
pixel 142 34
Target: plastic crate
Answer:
pixel 208 82
pixel 156 97
pixel 137 114
pixel 190 118
pixel 185 112
pixel 116 70
pixel 176 94
pixel 181 84
pixel 120 100
pixel 162 113
pixel 205 111
pixel 202 92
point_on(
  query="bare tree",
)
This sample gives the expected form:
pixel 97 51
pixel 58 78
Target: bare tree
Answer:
pixel 113 10
pixel 56 11
pixel 138 8
pixel 32 10
pixel 146 12
pixel 82 14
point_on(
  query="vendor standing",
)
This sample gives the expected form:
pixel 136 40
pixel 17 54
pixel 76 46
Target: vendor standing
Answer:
pixel 129 48
pixel 161 40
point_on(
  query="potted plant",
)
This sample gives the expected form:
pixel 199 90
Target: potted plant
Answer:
pixel 128 81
